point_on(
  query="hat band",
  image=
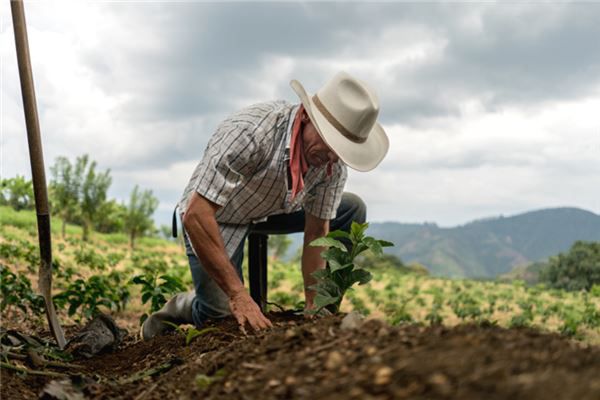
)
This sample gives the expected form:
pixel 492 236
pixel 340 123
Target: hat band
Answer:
pixel 336 124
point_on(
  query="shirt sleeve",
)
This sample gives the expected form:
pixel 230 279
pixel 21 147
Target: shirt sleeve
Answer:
pixel 324 198
pixel 232 155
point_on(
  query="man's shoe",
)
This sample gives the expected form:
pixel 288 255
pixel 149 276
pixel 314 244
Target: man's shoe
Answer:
pixel 178 310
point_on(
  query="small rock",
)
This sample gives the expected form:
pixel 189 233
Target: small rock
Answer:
pixel 383 331
pixel 61 390
pixel 352 321
pixel 290 380
pixel 273 383
pixel 526 379
pixel 290 333
pixel 383 375
pixel 356 393
pixel 370 350
pixel 334 360
pixel 441 383
pixel 376 359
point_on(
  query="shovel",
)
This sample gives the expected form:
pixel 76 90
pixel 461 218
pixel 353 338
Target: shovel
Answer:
pixel 37 167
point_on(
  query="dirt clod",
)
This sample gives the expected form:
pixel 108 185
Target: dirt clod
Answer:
pixel 383 376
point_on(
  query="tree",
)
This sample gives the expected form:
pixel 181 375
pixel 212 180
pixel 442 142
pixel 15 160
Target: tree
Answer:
pixel 65 188
pixel 17 193
pixel 93 194
pixel 110 217
pixel 138 217
pixel 579 269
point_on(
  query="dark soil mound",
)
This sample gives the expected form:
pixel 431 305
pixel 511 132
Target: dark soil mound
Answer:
pixel 318 360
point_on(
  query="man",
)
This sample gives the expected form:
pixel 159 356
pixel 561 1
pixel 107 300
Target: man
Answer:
pixel 272 168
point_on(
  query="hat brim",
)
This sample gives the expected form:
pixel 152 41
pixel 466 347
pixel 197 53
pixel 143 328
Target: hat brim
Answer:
pixel 359 156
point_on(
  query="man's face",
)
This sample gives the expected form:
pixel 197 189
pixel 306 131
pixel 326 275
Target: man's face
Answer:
pixel 316 152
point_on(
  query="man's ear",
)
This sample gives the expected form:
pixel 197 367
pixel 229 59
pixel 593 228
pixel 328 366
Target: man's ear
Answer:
pixel 305 116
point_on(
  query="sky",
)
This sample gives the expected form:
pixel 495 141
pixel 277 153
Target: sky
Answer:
pixel 491 108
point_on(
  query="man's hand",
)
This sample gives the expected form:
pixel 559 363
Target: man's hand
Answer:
pixel 245 310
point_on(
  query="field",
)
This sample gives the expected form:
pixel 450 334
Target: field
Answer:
pixel 424 337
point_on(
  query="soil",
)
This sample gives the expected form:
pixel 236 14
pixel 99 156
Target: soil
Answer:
pixel 316 359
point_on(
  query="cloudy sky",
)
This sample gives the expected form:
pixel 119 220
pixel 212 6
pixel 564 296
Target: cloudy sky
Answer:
pixel 491 109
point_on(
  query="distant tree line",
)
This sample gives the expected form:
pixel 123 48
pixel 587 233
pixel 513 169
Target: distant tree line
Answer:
pixel 78 195
pixel 577 269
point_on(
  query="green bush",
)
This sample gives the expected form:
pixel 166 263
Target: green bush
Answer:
pixel 17 292
pixel 88 295
pixel 578 269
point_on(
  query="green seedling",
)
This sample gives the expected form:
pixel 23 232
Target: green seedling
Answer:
pixel 341 273
pixel 191 332
pixel 204 381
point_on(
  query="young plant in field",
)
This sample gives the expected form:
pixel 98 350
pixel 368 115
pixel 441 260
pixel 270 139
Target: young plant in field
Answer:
pixel 17 292
pixel 397 312
pixel 87 256
pixel 87 295
pixel 591 313
pixel 434 316
pixel 570 324
pixel 341 273
pixel 358 304
pixel 156 289
pixel 465 306
pixel 191 332
pixel 525 318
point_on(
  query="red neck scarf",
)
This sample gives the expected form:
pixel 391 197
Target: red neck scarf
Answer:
pixel 298 164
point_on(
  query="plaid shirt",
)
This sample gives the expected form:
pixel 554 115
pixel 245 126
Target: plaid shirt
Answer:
pixel 245 169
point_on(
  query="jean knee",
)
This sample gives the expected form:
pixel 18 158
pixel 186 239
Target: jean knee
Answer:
pixel 357 207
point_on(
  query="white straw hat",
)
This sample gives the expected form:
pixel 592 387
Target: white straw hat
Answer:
pixel 344 112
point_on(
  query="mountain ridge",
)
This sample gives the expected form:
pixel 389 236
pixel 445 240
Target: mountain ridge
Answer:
pixel 491 246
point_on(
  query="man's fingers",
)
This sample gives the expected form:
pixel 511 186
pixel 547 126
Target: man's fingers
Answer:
pixel 259 324
pixel 268 322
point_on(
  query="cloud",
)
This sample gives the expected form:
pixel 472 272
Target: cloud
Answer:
pixel 487 105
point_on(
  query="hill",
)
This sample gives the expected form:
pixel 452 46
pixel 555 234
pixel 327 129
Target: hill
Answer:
pixel 493 246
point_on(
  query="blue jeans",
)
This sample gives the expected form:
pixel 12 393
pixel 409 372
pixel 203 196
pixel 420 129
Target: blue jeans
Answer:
pixel 211 302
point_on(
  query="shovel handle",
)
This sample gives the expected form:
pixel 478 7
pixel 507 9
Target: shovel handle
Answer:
pixel 37 166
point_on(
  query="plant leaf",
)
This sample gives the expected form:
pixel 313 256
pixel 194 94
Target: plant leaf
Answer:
pixel 361 276
pixel 334 265
pixel 320 274
pixel 173 325
pixel 322 300
pixel 328 242
pixel 193 332
pixel 338 234
pixel 374 246
pixel 385 243
pixel 357 231
pixel 145 297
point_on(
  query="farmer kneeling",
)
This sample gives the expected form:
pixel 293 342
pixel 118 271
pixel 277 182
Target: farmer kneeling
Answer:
pixel 272 168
